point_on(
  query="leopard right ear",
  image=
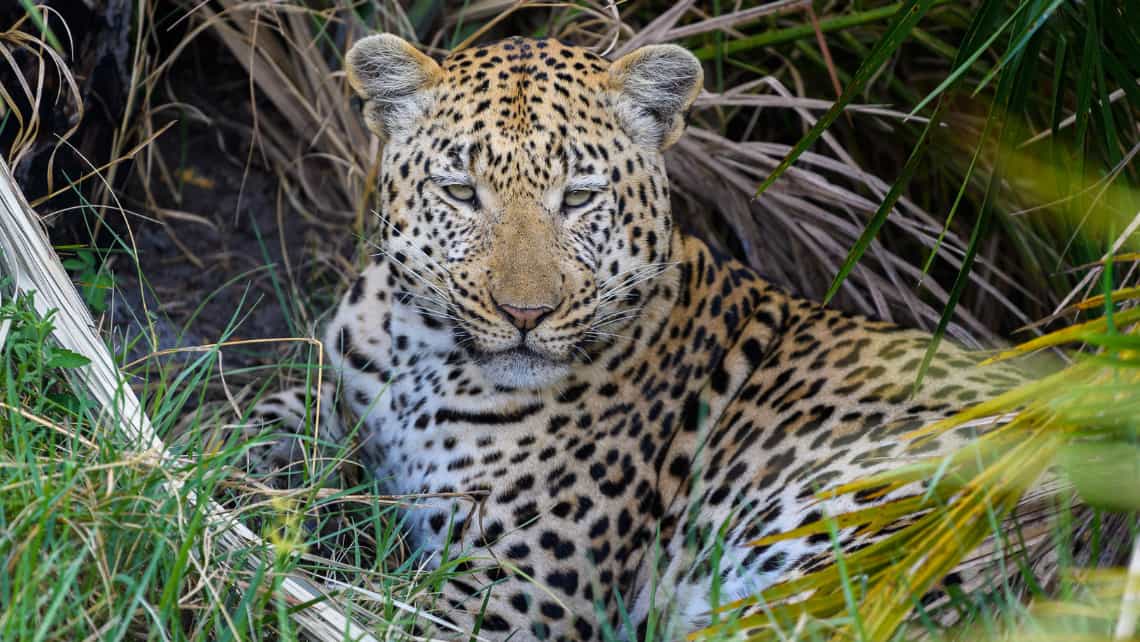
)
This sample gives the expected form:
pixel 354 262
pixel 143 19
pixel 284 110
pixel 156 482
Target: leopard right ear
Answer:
pixel 654 88
pixel 393 78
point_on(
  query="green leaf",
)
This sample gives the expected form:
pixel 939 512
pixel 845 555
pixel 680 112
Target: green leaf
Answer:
pixel 1010 98
pixel 963 60
pixel 64 358
pixel 957 201
pixel 965 65
pixel 1102 113
pixel 880 216
pixel 904 21
pixel 1037 23
pixel 1121 76
pixel 1106 474
pixel 1084 90
pixel 791 34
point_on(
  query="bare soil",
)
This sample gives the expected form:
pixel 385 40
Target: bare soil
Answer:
pixel 211 239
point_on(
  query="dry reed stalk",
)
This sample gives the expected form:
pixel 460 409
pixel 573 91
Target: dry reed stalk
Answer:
pixel 32 85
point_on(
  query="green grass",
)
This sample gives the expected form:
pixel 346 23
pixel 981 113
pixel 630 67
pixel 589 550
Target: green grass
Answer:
pixel 101 541
pixel 93 541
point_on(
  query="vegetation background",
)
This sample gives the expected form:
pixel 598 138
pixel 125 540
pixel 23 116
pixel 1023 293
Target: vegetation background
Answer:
pixel 964 166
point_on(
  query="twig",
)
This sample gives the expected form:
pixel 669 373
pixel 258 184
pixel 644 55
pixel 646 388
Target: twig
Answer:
pixel 823 49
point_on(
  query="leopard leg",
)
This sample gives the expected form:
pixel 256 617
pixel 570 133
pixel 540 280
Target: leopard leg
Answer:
pixel 295 446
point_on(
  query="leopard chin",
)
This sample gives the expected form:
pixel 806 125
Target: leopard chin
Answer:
pixel 522 367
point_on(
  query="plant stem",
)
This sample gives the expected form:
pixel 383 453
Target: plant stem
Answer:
pixel 790 34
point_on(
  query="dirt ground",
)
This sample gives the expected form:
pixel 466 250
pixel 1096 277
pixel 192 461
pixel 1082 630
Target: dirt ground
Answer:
pixel 211 245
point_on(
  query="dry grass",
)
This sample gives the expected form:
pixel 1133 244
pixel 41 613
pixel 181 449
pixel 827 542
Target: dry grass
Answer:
pixel 39 74
pixel 809 220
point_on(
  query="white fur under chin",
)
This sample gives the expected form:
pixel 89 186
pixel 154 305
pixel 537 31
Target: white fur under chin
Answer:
pixel 522 369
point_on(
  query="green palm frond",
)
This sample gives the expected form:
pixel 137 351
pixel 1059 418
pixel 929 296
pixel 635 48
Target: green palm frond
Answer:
pixel 1072 180
pixel 1084 415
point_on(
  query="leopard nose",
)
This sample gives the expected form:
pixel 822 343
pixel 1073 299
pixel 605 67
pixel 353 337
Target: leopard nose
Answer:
pixel 525 317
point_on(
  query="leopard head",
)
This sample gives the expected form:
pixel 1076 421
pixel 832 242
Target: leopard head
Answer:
pixel 523 192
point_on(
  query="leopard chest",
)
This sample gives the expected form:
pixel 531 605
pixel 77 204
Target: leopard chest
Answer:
pixel 545 479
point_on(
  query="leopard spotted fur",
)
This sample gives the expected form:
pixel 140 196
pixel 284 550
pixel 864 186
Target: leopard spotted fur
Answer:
pixel 535 332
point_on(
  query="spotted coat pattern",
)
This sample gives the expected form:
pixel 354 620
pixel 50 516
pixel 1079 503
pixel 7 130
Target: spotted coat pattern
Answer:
pixel 668 394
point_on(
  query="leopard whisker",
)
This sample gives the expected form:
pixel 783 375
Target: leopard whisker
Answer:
pixel 423 279
pixel 585 355
pixel 404 297
pixel 615 317
pixel 638 268
pixel 434 313
pixel 631 283
pixel 411 244
pixel 615 335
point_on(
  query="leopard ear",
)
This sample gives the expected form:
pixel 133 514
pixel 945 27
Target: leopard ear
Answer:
pixel 392 77
pixel 654 88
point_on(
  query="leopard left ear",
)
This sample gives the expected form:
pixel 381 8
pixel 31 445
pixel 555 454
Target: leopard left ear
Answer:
pixel 654 88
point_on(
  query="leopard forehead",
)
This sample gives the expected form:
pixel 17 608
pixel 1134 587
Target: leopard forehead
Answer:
pixel 515 81
pixel 538 106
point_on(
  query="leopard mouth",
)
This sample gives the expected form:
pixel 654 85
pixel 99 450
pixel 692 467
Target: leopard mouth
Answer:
pixel 522 367
pixel 522 354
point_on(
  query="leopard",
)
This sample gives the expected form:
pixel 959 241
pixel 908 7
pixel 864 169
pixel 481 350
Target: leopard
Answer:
pixel 595 410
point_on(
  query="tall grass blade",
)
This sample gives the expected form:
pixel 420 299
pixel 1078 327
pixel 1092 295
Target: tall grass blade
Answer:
pixel 909 13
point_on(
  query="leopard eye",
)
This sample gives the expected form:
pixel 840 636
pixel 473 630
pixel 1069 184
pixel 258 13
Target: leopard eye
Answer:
pixel 460 192
pixel 577 198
